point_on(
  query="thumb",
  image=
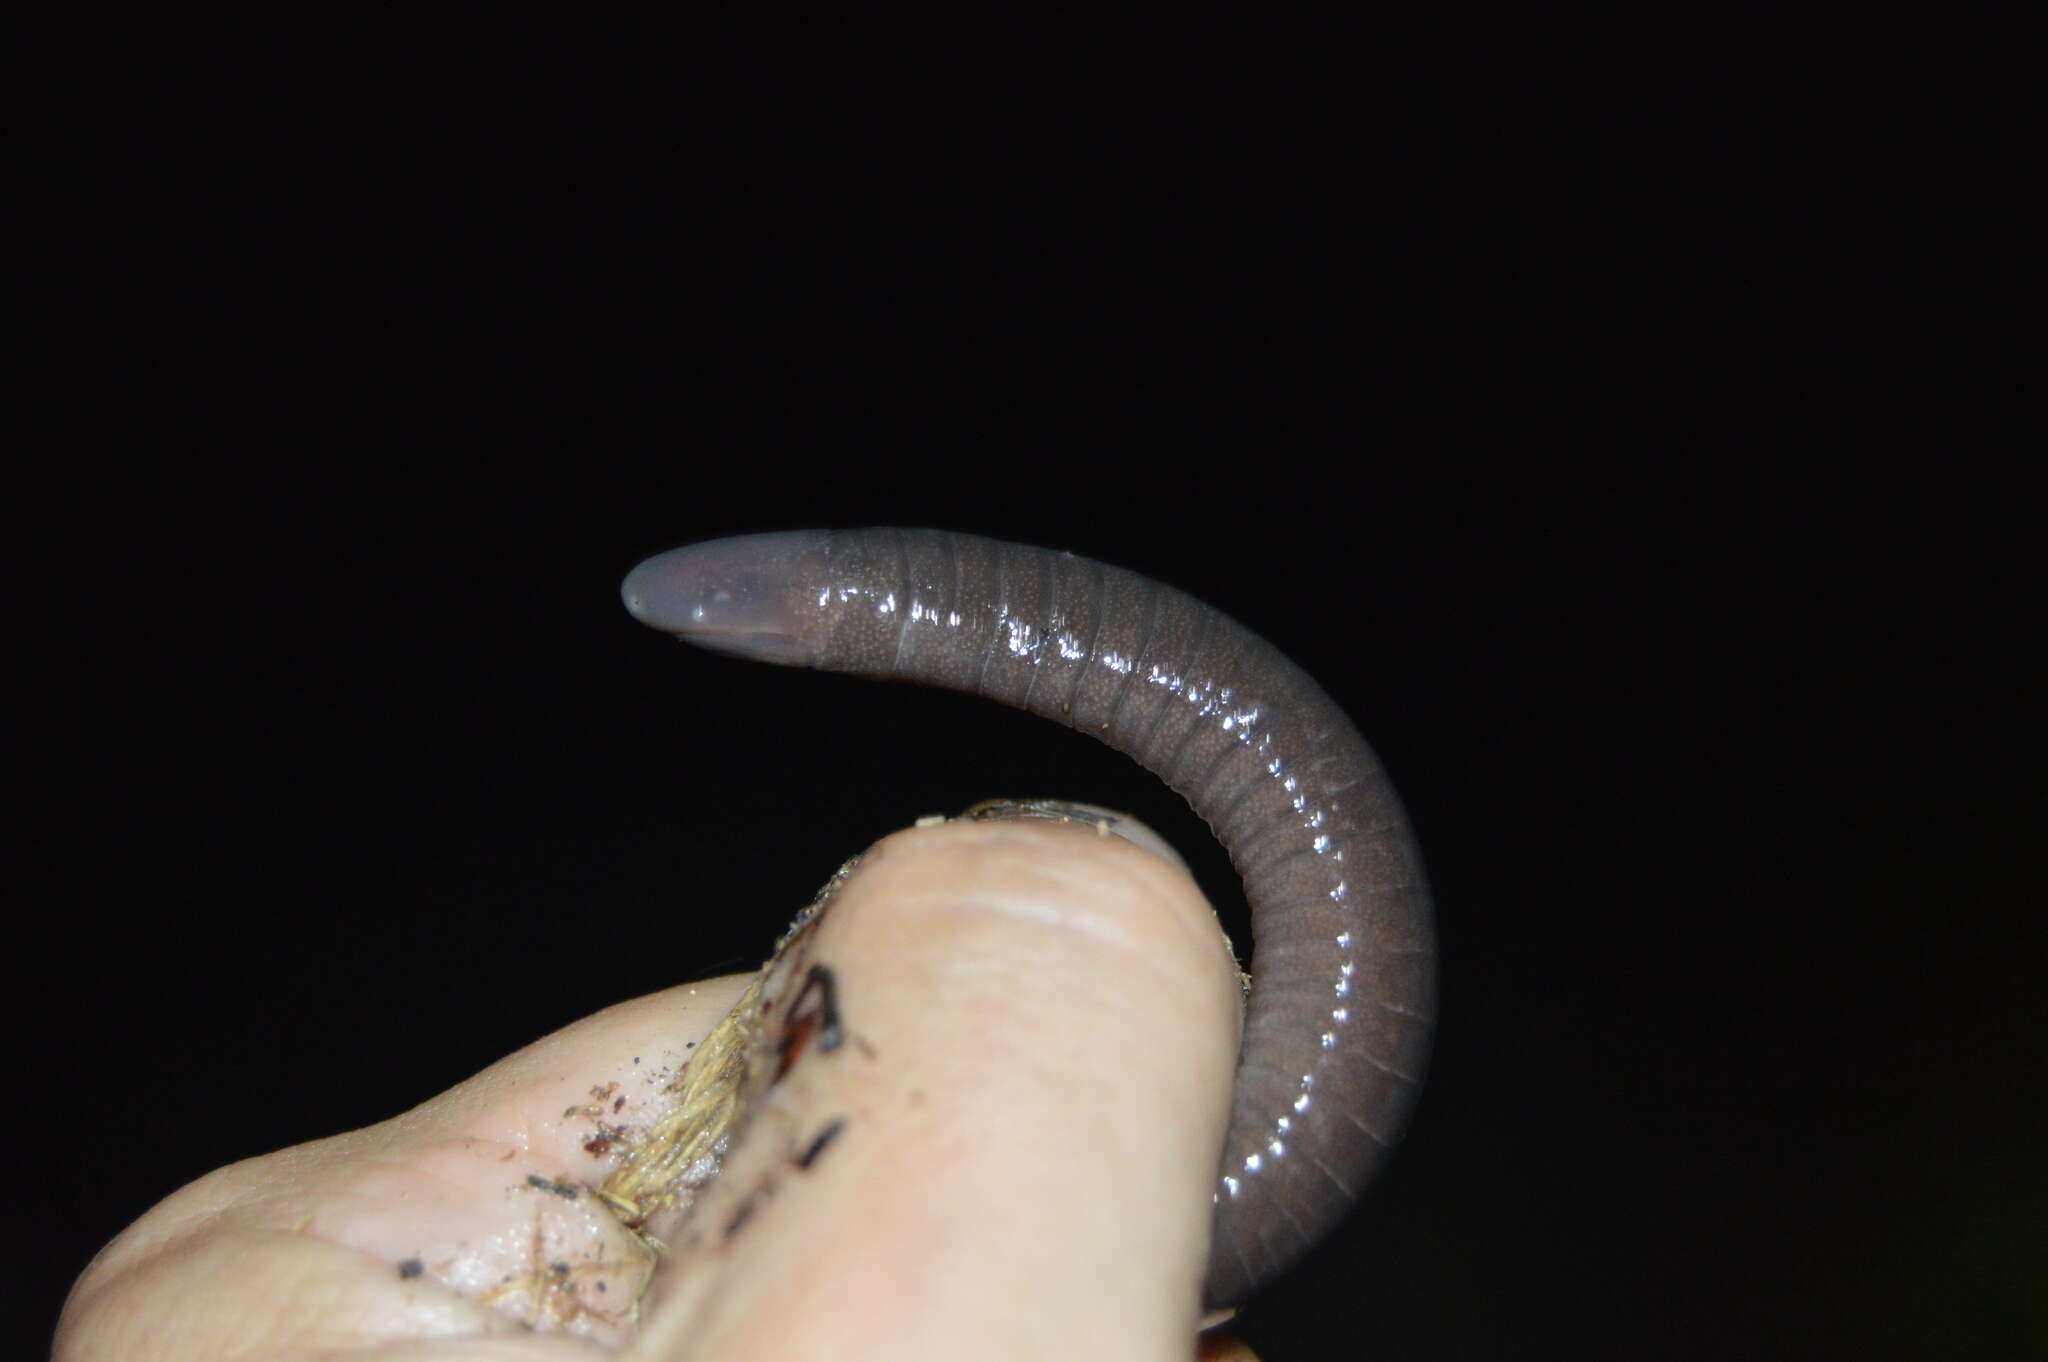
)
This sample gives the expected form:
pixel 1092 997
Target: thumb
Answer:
pixel 1002 1060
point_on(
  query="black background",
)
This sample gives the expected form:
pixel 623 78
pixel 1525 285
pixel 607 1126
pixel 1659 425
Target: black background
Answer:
pixel 1614 422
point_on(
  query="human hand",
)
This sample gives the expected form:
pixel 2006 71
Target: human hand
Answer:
pixel 1012 1154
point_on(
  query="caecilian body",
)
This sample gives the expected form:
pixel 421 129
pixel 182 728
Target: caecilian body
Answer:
pixel 1338 1024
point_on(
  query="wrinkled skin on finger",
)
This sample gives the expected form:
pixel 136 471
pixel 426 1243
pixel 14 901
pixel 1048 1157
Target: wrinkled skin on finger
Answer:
pixel 1006 1150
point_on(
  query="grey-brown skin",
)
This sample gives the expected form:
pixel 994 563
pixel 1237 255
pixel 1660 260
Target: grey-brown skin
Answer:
pixel 1338 1025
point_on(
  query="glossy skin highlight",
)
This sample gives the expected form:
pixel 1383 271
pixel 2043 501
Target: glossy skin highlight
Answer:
pixel 1338 1025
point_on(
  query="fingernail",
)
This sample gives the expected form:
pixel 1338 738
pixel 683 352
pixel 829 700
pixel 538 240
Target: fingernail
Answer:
pixel 1107 822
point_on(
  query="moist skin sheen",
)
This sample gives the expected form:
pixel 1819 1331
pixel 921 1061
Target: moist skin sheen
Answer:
pixel 1338 1025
